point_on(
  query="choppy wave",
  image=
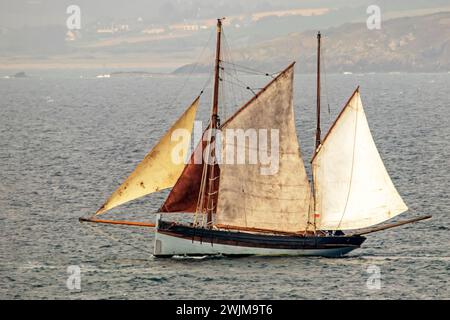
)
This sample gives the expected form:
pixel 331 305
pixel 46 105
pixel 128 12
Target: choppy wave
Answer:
pixel 67 142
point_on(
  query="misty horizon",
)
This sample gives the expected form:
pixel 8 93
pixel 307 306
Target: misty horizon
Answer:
pixel 170 35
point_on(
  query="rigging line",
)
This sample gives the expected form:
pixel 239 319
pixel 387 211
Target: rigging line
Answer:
pixel 259 73
pixel 239 94
pixel 208 169
pixel 250 70
pixel 308 222
pixel 239 85
pixel 239 100
pixel 247 72
pixel 240 70
pixel 351 172
pixel 222 96
pixel 230 58
pixel 235 75
pixel 223 99
pixel 221 76
pixel 110 237
pixel 205 174
pixel 200 199
pixel 207 82
pixel 325 82
pixel 195 65
pixel 237 82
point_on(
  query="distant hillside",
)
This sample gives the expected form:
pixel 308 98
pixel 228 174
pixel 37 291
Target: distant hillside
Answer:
pixel 415 44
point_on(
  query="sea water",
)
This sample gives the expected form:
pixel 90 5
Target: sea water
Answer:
pixel 68 139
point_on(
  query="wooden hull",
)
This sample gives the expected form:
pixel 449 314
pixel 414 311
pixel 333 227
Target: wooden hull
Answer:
pixel 175 239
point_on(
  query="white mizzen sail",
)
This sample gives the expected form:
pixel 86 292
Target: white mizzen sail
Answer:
pixel 158 170
pixel 246 197
pixel 352 187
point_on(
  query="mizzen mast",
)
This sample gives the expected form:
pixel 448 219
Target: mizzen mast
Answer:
pixel 316 215
pixel 318 92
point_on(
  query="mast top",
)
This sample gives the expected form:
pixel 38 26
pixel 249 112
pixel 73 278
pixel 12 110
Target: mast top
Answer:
pixel 219 24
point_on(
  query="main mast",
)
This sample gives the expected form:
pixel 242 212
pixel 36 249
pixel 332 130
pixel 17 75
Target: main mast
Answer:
pixel 215 123
pixel 318 92
pixel 215 106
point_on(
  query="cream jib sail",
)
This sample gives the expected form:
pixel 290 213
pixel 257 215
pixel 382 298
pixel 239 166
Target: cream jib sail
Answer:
pixel 352 187
pixel 158 170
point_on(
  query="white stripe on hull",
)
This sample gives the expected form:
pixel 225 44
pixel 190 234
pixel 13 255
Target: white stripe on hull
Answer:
pixel 166 245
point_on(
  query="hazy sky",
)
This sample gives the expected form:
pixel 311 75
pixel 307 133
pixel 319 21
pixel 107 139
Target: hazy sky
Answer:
pixel 19 13
pixel 34 32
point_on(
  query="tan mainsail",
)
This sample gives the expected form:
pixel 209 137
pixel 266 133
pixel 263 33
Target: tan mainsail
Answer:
pixel 246 197
pixel 158 170
pixel 352 187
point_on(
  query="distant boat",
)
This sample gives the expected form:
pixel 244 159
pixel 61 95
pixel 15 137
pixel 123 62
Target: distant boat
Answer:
pixel 347 72
pixel 19 75
pixel 103 76
pixel 238 211
pixel 133 74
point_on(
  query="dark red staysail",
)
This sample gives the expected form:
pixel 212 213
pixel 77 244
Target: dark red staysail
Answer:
pixel 185 194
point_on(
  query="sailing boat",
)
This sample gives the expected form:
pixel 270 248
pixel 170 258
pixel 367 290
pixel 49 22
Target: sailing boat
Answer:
pixel 239 211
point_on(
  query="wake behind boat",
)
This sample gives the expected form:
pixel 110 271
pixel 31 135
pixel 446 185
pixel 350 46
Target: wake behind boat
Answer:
pixel 248 208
